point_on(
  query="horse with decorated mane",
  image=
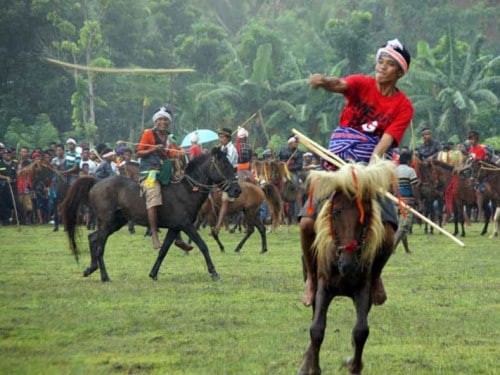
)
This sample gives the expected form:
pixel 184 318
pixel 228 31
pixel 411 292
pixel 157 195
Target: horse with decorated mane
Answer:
pixel 352 246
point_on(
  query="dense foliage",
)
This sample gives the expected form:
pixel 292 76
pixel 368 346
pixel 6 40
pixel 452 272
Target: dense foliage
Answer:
pixel 250 56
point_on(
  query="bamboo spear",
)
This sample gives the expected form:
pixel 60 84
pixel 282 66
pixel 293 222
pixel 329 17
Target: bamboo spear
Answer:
pixel 338 162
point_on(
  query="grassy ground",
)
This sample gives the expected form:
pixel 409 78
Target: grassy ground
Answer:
pixel 442 315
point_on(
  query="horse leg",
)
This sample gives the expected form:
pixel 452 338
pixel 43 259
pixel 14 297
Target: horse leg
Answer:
pixel 378 291
pixel 360 331
pixel 215 235
pixel 487 217
pixel 169 238
pixel 262 230
pixel 310 361
pixel 56 217
pixel 102 238
pixel 250 230
pixel 191 232
pixel 93 238
pixel 496 223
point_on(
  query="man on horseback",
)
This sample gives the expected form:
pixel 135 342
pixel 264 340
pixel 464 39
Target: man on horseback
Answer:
pixel 293 157
pixel 154 149
pixel 476 152
pixel 373 122
pixel 430 148
pixel 232 155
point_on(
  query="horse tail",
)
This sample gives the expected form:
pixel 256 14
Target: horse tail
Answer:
pixel 274 202
pixel 77 195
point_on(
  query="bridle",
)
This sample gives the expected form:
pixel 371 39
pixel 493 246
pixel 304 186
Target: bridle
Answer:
pixel 354 247
pixel 209 187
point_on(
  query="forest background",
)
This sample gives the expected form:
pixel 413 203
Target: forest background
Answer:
pixel 251 60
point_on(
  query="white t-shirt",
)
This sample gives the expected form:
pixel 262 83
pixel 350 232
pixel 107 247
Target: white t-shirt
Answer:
pixel 92 165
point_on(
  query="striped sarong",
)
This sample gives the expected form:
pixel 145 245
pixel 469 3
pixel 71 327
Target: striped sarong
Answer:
pixel 351 144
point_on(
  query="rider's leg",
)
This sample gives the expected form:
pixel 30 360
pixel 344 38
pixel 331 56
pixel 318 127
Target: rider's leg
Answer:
pixel 153 226
pixel 307 236
pixel 222 211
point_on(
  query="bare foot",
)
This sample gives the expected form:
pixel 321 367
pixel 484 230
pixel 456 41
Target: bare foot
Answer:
pixel 308 296
pixel 378 292
pixel 156 244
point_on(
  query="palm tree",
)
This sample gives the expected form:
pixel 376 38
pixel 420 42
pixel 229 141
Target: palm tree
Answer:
pixel 457 79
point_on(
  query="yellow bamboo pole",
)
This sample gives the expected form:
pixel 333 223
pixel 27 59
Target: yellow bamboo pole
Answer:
pixel 338 162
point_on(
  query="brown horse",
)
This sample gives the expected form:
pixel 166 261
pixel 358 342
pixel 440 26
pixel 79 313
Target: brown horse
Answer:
pixel 276 173
pixel 487 175
pixel 429 193
pixel 249 203
pixel 351 248
pixel 459 194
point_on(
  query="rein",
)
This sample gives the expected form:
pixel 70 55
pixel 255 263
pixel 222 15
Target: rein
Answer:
pixel 354 246
pixel 208 187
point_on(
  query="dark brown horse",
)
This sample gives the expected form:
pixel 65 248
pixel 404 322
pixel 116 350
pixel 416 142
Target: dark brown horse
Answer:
pixel 249 203
pixel 117 199
pixel 487 176
pixel 459 194
pixel 430 193
pixel 352 247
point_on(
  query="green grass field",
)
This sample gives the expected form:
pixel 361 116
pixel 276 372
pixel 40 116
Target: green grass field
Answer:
pixel 442 315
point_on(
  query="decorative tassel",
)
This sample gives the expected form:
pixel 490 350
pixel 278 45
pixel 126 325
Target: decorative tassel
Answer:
pixel 358 197
pixel 310 207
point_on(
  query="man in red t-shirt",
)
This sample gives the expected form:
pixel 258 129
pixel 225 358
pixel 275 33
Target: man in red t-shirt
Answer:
pixel 373 122
pixel 476 152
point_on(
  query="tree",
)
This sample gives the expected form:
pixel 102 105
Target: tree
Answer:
pixel 457 78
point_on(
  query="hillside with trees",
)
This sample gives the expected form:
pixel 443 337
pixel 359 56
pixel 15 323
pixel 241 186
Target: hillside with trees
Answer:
pixel 251 59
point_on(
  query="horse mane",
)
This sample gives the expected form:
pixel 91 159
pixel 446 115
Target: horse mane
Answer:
pixel 36 169
pixel 353 180
pixel 196 162
pixel 442 164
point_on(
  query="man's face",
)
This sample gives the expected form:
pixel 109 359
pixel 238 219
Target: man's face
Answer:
pixel 224 140
pixel 293 145
pixel 427 136
pixel 71 146
pixel 162 124
pixel 24 153
pixel 59 151
pixel 387 70
pixel 85 155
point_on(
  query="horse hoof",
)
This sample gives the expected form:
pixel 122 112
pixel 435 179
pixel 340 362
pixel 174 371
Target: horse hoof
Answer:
pixel 55 229
pixel 153 277
pixel 215 276
pixel 263 251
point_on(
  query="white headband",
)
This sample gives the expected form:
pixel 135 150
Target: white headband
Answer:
pixel 162 113
pixel 390 50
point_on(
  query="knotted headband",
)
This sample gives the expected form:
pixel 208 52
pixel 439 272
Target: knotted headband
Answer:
pixel 391 49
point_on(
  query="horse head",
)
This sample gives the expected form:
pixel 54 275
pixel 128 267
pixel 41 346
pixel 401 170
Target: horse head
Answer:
pixel 349 226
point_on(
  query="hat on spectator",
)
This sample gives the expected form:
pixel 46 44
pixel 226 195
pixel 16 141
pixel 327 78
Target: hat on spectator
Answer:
pixel 242 132
pixel 71 140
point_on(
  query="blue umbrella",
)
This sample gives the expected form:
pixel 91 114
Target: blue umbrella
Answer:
pixel 206 135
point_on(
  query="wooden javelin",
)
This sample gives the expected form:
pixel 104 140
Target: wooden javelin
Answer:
pixel 97 69
pixel 338 162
